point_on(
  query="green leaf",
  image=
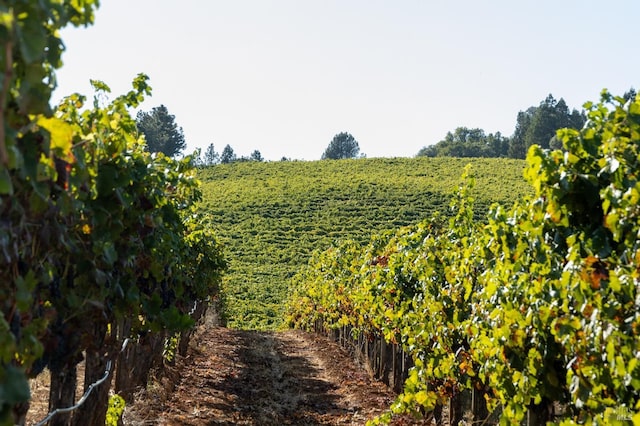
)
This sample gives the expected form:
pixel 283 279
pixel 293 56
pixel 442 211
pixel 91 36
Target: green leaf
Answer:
pixel 24 289
pixel 6 187
pixel 109 252
pixel 14 386
pixel 32 40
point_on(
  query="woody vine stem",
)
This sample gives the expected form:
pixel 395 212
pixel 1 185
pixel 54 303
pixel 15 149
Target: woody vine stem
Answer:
pixel 8 70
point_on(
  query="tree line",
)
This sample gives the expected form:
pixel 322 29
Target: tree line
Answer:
pixel 537 125
pixel 162 134
pixel 228 155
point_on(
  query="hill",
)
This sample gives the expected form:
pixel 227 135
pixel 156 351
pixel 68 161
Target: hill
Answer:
pixel 272 216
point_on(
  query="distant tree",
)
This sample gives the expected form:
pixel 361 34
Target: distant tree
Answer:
pixel 211 157
pixel 538 125
pixel 497 145
pixel 428 151
pixel 630 94
pixel 518 146
pixel 161 131
pixel 343 145
pixel 545 121
pixel 466 142
pixel 256 156
pixel 228 155
pixel 285 159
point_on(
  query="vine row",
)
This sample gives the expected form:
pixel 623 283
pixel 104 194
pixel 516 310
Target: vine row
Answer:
pixel 100 240
pixel 535 308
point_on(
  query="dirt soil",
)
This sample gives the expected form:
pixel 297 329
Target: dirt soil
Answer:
pixel 233 377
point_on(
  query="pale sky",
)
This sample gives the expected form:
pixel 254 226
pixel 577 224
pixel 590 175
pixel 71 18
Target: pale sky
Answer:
pixel 285 76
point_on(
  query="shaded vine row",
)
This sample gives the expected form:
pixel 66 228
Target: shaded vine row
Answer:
pixel 100 240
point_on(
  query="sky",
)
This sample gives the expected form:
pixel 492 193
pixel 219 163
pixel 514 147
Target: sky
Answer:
pixel 285 76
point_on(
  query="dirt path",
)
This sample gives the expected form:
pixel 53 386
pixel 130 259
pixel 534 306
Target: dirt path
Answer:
pixel 234 377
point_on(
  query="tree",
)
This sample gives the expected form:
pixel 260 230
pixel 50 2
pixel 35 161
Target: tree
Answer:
pixel 228 155
pixel 497 144
pixel 211 157
pixel 428 151
pixel 517 146
pixel 161 131
pixel 256 156
pixel 343 145
pixel 545 121
pixel 630 95
pixel 465 142
pixel 538 125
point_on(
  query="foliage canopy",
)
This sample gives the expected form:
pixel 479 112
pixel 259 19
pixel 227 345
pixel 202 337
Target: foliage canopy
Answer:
pixel 99 239
pixel 535 305
pixel 343 145
pixel 161 131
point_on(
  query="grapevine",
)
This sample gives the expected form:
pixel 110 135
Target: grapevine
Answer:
pixel 99 239
pixel 534 306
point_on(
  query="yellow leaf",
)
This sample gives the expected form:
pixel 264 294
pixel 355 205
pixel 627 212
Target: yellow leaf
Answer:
pixel 421 397
pixel 61 134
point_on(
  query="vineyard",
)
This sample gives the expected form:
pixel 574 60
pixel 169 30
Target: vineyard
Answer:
pixel 103 255
pixel 504 300
pixel 533 310
pixel 272 216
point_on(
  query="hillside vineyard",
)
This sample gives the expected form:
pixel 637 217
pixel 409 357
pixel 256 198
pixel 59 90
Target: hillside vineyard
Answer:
pixel 532 311
pixel 272 216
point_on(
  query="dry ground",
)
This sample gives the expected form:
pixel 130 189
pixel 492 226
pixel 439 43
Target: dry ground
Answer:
pixel 234 377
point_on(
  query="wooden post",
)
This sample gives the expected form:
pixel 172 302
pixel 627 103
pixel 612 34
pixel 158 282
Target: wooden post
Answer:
pixel 387 362
pixel 123 377
pixel 379 358
pixel 393 377
pixel 94 409
pixel 62 392
pixel 479 409
pixel 456 408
